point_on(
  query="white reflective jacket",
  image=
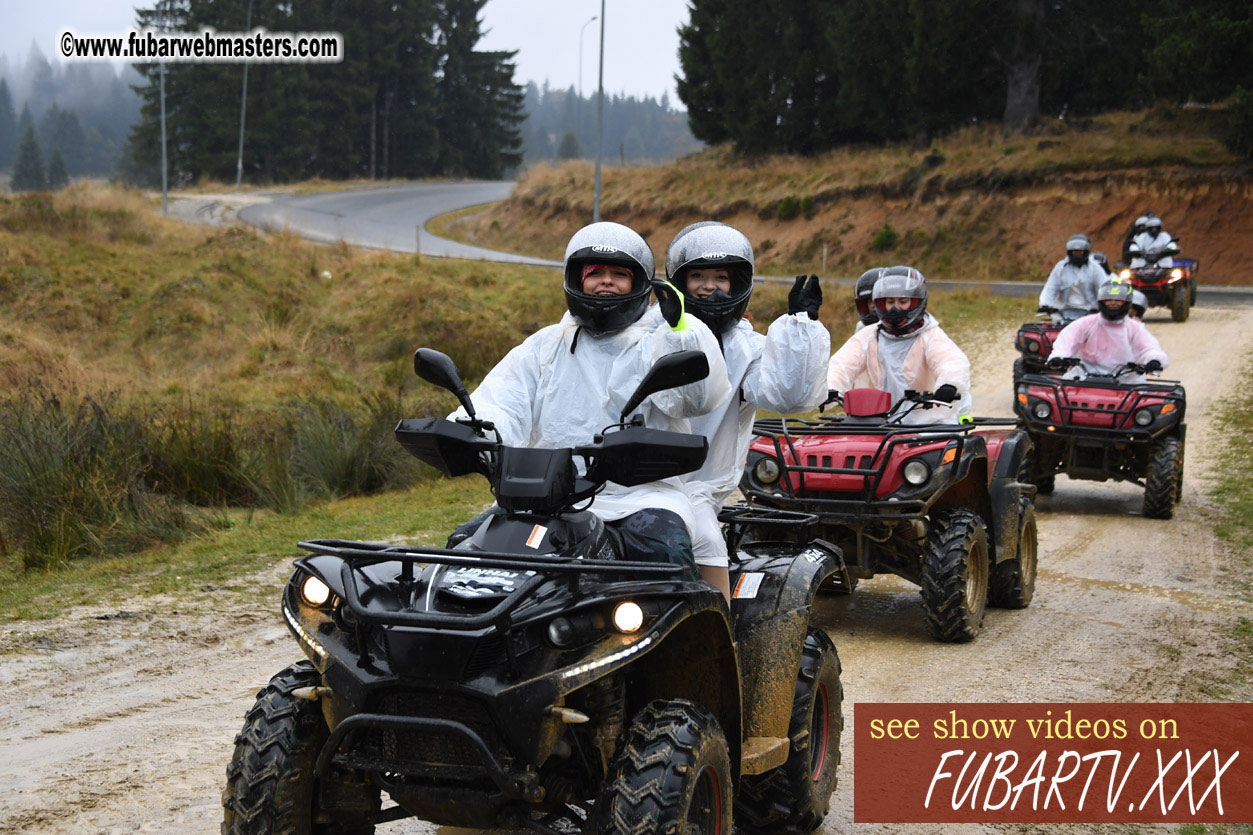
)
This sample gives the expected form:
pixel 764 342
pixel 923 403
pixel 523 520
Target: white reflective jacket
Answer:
pixel 544 394
pixel 1072 289
pixel 783 371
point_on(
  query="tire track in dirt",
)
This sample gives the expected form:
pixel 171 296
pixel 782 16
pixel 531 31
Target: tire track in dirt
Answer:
pixel 126 724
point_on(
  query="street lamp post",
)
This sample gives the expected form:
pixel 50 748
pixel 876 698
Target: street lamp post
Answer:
pixel 243 102
pixel 600 116
pixel 582 32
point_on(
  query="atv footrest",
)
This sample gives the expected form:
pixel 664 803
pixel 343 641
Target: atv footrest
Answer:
pixel 762 753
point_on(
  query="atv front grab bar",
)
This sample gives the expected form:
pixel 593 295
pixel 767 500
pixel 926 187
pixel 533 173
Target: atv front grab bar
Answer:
pixel 358 553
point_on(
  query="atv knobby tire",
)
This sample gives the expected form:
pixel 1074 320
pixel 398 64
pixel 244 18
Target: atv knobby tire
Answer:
pixel 1013 581
pixel 1161 482
pixel 794 798
pixel 270 788
pixel 1192 291
pixel 671 774
pixel 1020 368
pixel 955 573
pixel 1180 305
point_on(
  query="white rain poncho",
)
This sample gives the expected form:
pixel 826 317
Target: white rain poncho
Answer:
pixel 1147 241
pixel 1072 290
pixel 783 371
pixel 1103 345
pixel 542 394
pixel 922 361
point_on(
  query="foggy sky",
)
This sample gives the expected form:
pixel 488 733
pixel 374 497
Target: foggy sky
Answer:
pixel 641 43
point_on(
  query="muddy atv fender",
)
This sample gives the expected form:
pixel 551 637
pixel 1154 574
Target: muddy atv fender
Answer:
pixel 774 588
pixel 1006 493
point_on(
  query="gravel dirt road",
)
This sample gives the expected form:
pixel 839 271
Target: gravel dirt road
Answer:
pixel 121 720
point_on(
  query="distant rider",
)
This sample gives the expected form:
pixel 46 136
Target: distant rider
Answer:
pixel 565 383
pixel 1100 259
pixel 906 350
pixel 1139 304
pixel 862 297
pixel 1071 288
pixel 1109 339
pixel 1152 240
pixel 783 371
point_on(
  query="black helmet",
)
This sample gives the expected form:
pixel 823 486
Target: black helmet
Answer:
pixel 901 282
pixel 607 243
pixel 1078 247
pixel 863 293
pixel 713 245
pixel 1114 300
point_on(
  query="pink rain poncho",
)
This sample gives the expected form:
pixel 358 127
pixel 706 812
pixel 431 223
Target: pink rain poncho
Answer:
pixel 922 361
pixel 1104 345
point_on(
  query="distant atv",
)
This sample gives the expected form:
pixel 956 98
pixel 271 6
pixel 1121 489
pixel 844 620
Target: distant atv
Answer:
pixel 1034 342
pixel 940 505
pixel 1103 428
pixel 1173 287
pixel 536 675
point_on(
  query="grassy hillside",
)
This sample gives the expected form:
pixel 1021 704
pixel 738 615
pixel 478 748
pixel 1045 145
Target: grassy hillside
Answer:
pixel 165 425
pixel 970 205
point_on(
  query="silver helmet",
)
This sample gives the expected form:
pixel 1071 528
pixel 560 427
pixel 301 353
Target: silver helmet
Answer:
pixel 1114 300
pixel 607 243
pixel 713 245
pixel 900 283
pixel 1139 304
pixel 1078 243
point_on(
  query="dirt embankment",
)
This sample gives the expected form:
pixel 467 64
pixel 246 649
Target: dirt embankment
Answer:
pixel 121 719
pixel 990 226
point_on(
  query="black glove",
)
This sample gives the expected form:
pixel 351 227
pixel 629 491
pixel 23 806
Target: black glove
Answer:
pixel 1057 362
pixel 670 300
pixel 1152 366
pixel 1044 308
pixel 806 296
pixel 946 393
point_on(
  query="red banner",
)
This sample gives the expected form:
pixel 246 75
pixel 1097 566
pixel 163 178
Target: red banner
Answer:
pixel 1053 763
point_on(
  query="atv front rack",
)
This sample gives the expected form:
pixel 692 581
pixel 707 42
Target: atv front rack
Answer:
pixel 1167 390
pixel 357 554
pixel 782 431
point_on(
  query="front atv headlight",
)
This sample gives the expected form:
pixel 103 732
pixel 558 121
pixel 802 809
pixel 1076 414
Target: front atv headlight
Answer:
pixel 1041 410
pixel 628 617
pixel 1125 275
pixel 1143 417
pixel 916 472
pixel 1176 274
pixel 767 471
pixel 1033 346
pixel 314 592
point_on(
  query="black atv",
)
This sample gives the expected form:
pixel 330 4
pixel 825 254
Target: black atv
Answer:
pixel 537 676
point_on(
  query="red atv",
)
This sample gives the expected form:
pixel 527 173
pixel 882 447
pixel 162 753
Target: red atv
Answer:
pixel 1103 428
pixel 1035 342
pixel 1173 287
pixel 940 505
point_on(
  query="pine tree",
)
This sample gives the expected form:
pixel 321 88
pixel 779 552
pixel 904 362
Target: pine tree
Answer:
pixel 569 147
pixel 480 106
pixel 57 178
pixel 8 126
pixel 28 166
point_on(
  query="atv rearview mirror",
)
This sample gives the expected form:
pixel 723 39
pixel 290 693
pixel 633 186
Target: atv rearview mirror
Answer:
pixel 671 371
pixel 438 369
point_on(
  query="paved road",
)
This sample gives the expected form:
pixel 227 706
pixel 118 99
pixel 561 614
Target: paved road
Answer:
pixel 387 218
